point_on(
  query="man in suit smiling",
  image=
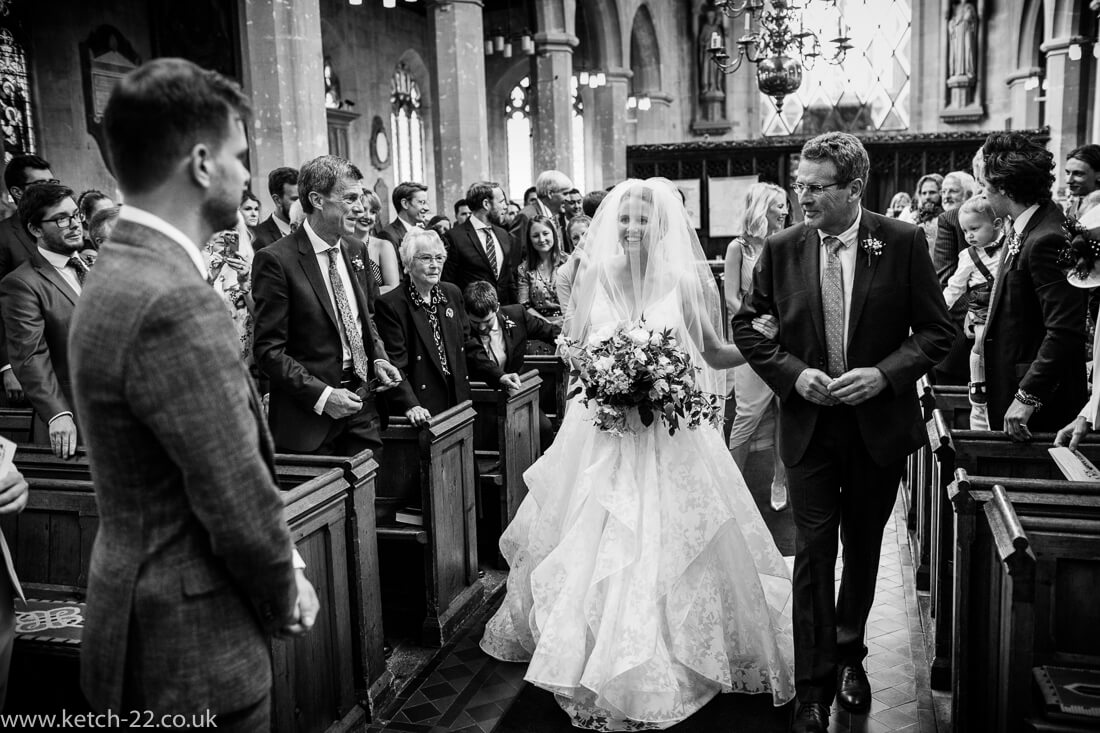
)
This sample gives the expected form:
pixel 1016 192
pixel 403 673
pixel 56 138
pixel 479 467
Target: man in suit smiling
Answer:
pixel 480 248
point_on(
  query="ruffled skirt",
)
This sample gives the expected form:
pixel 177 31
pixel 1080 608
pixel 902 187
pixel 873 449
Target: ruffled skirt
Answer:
pixel 643 579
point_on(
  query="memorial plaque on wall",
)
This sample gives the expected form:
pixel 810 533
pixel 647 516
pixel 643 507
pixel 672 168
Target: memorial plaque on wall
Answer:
pixel 692 189
pixel 105 57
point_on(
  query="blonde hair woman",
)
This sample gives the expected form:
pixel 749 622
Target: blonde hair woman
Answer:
pixel 765 214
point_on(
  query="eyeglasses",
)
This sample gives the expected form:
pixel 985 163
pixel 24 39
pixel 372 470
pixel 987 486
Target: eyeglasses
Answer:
pixel 430 259
pixel 64 222
pixel 816 189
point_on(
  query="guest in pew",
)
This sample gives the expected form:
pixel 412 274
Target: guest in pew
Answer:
pixel 192 570
pixel 1084 253
pixel 101 226
pixel 37 301
pixel 13 499
pixel 502 333
pixel 1034 340
pixel 282 186
pixel 315 339
pixel 90 203
pixel 427 334
pixel 382 260
pixel 481 248
pixel 577 230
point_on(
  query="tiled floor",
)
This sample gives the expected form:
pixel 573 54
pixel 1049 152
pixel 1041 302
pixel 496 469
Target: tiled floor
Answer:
pixel 467 691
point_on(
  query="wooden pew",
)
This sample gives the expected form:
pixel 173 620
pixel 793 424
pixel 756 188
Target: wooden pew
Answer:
pixel 985 454
pixel 555 378
pixel 1028 562
pixel 16 423
pixel 506 443
pixel 431 468
pixel 315 676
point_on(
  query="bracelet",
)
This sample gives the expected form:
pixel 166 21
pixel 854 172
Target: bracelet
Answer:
pixel 1026 398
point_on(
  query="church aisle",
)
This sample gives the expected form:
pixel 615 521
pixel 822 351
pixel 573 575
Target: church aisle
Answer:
pixel 468 692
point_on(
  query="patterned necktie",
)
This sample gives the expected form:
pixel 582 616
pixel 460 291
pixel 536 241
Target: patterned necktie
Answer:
pixel 81 268
pixel 832 303
pixel 491 250
pixel 347 319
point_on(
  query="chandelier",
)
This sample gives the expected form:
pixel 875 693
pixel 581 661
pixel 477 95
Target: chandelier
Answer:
pixel 781 46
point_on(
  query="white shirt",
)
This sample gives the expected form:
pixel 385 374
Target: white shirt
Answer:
pixel 481 228
pixel 1021 221
pixel 282 226
pixel 968 275
pixel 320 250
pixel 61 264
pixel 494 343
pixel 847 256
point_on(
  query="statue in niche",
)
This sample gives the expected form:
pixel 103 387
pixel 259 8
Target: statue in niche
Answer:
pixel 711 79
pixel 962 59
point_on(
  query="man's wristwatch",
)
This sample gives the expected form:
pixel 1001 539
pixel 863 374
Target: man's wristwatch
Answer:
pixel 1026 398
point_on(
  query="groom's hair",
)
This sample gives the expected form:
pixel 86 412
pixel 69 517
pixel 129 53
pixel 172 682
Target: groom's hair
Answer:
pixel 845 151
pixel 1018 166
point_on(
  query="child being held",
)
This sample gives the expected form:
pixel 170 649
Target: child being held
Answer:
pixel 977 270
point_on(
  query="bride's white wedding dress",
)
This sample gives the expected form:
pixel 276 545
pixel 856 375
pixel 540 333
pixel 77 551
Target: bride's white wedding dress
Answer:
pixel 643 579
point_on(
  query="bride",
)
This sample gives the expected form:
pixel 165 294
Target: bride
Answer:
pixel 643 579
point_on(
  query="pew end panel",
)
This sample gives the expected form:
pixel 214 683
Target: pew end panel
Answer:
pixel 555 379
pixel 17 424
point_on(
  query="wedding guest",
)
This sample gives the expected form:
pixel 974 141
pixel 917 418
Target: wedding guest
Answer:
pixel 250 210
pixel 577 231
pixel 530 196
pixel 103 223
pixel 440 224
pixel 765 215
pixel 1034 340
pixel 973 283
pixel 89 203
pixel 551 187
pixel 1082 178
pixel 17 246
pixel 958 186
pixel 502 333
pixel 282 186
pixel 427 334
pixel 462 212
pixel 181 625
pixel 37 301
pixel 592 201
pixel 898 204
pixel 511 211
pixel 481 248
pixel 537 274
pixel 925 199
pixel 228 256
pixel 410 201
pixel 315 338
pixel 850 348
pixel 1085 274
pixel 381 257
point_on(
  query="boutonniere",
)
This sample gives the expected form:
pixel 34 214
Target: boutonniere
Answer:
pixel 873 247
pixel 357 264
pixel 1013 243
pixel 508 322
pixel 450 313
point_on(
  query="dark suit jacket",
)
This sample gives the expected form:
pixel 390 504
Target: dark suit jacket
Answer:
pixel 407 333
pixel 393 233
pixel 191 568
pixel 950 240
pixel 1035 336
pixel 297 336
pixel 894 293
pixel 265 233
pixel 467 261
pixel 37 305
pixel 16 247
pixel 517 326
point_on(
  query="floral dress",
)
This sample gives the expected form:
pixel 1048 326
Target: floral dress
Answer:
pixel 540 293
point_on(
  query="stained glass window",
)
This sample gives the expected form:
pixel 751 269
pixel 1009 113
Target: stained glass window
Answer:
pixel 407 126
pixel 578 137
pixel 16 121
pixel 517 114
pixel 332 86
pixel 869 91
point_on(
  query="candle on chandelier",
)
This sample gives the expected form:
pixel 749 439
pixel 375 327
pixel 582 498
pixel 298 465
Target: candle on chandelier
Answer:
pixel 715 40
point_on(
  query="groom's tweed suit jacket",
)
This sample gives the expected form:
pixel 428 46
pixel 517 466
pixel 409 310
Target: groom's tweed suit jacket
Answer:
pixel 898 323
pixel 191 567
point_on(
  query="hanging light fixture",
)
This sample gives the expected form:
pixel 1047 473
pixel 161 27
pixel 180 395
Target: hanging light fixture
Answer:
pixel 781 47
pixel 355 2
pixel 527 42
pixel 389 3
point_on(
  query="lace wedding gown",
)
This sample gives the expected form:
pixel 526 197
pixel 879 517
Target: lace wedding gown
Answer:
pixel 643 579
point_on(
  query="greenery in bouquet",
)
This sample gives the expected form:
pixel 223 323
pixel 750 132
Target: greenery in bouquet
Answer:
pixel 635 369
pixel 1082 249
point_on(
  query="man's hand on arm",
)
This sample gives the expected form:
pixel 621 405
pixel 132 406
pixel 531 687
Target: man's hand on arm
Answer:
pixel 510 382
pixel 63 435
pixel 856 386
pixel 813 386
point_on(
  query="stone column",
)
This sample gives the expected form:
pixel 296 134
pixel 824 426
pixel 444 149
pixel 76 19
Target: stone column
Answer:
pixel 460 114
pixel 1025 107
pixel 1067 100
pixel 611 129
pixel 553 107
pixel 282 60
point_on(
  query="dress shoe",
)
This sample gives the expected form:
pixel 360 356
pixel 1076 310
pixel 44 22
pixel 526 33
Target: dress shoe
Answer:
pixel 853 691
pixel 779 498
pixel 812 717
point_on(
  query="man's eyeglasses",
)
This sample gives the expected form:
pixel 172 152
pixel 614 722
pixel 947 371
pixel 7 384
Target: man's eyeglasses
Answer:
pixel 429 259
pixel 64 222
pixel 816 189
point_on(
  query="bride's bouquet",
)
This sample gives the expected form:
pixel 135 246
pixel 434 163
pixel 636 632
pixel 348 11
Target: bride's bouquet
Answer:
pixel 636 369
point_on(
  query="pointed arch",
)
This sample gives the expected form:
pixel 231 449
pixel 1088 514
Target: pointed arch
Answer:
pixel 645 52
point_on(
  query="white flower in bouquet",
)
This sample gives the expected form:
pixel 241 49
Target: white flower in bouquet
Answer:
pixel 604 363
pixel 640 336
pixel 640 356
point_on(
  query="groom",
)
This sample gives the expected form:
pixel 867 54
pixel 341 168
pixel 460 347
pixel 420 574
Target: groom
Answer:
pixel 861 318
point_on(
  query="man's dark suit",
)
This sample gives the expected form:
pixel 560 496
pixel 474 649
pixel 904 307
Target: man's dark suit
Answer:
pixel 16 247
pixel 191 569
pixel 407 333
pixel 523 222
pixel 844 462
pixel 950 240
pixel 393 233
pixel 265 233
pixel 1035 336
pixel 297 341
pixel 467 261
pixel 37 305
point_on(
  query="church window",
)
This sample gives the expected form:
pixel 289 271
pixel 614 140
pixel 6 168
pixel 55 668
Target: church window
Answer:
pixel 16 121
pixel 578 137
pixel 517 114
pixel 408 127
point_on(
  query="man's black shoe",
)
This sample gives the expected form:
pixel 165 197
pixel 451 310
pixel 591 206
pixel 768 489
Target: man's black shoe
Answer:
pixel 812 717
pixel 853 691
